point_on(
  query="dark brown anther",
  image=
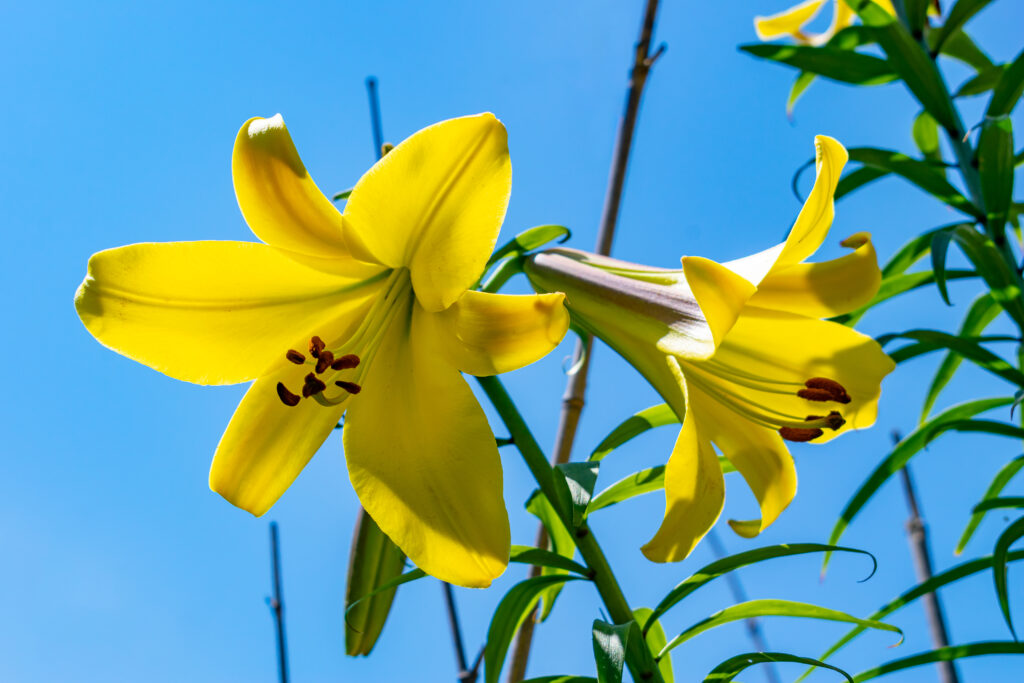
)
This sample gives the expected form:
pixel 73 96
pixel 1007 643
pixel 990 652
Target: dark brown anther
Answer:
pixel 316 345
pixel 346 362
pixel 815 395
pixel 287 397
pixel 295 357
pixel 324 361
pixel 798 434
pixel 835 420
pixel 312 386
pixel 350 387
pixel 836 390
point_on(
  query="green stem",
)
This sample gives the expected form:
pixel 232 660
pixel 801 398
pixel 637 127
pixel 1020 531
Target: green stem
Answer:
pixel 640 660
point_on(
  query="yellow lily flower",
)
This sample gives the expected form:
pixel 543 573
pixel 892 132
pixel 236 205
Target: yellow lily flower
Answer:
pixel 739 352
pixel 791 22
pixel 367 312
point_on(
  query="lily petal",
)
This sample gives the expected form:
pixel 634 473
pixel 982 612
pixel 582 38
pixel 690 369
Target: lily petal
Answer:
pixel 823 290
pixel 759 454
pixel 267 444
pixel 486 334
pixel 789 22
pixel 694 495
pixel 720 292
pixel 773 344
pixel 435 204
pixel 280 202
pixel 423 461
pixel 209 312
pixel 815 218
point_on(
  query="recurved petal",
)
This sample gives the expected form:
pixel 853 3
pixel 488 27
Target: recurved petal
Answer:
pixel 209 312
pixel 758 453
pixel 826 289
pixel 815 218
pixel 435 203
pixel 720 293
pixel 694 495
pixel 788 23
pixel 267 444
pixel 423 461
pixel 280 201
pixel 486 334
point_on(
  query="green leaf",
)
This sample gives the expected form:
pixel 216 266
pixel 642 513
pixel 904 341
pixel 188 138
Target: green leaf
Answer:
pixel 561 542
pixel 411 575
pixel 960 46
pixel 901 455
pixel 937 581
pixel 732 667
pixel 981 82
pixel 945 654
pixel 539 557
pixel 728 564
pixel 920 173
pixel 916 12
pixel 1009 502
pixel 774 608
pixel 996 169
pixel 940 244
pixel 509 616
pixel 610 649
pixel 999 482
pixel 528 240
pixel 579 478
pixel 344 194
pixel 373 562
pixel 561 679
pixel 926 137
pixel 955 20
pixel 900 284
pixel 982 312
pixel 656 641
pixel 981 426
pixel 648 418
pixel 800 85
pixel 968 348
pixel 856 179
pixel 1001 277
pixel 1008 90
pixel 999 569
pixel 836 64
pixel 500 275
pixel 639 483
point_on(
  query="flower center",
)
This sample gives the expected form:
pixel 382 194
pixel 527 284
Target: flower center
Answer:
pixel 726 384
pixel 343 363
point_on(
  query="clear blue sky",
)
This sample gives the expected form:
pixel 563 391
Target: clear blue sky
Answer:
pixel 119 564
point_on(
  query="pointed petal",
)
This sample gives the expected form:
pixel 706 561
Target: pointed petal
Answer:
pixel 793 348
pixel 267 444
pixel 759 454
pixel 823 290
pixel 423 461
pixel 694 495
pixel 720 292
pixel 486 334
pixel 789 22
pixel 815 218
pixel 209 312
pixel 435 203
pixel 280 202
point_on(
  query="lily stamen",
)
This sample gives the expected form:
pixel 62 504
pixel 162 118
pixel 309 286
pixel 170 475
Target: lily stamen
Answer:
pixel 324 361
pixel 834 388
pixel 316 345
pixel 799 435
pixel 346 362
pixel 295 357
pixel 287 397
pixel 350 387
pixel 313 385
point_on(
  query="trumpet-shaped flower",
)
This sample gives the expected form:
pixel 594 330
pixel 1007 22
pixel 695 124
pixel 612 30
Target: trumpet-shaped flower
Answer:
pixel 739 352
pixel 367 312
pixel 791 22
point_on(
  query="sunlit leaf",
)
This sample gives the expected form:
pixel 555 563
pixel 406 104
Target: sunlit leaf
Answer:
pixel 579 478
pixel 528 240
pixel 610 649
pixel 639 483
pixel 858 178
pixel 656 641
pixel 539 557
pixel 945 654
pixel 999 482
pixel 561 544
pixel 921 173
pixel 955 20
pixel 1002 278
pixel 374 560
pixel 1000 570
pixel 1008 90
pixel 940 244
pixel 734 666
pixel 845 66
pixel 969 348
pixel 996 169
pixel 648 418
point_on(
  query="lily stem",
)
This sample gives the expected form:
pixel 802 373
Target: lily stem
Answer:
pixel 639 658
pixel 572 400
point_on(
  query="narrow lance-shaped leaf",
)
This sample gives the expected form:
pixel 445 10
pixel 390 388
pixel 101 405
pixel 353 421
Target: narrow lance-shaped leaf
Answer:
pixel 996 170
pixel 411 575
pixel 648 418
pixel 724 565
pixel 999 482
pixel 610 649
pixel 645 481
pixel 999 569
pixel 509 616
pixel 982 312
pixel 1001 277
pixel 945 654
pixel 901 455
pixel 579 479
pixel 524 554
pixel 731 668
pixel 1004 503
pixel 774 608
pixel 562 679
pixel 936 582
pixel 845 66
pixel 561 544
pixel 981 82
pixel 957 17
pixel 962 47
pixel 920 173
pixel 1008 91
pixel 969 348
pixel 374 560
pixel 858 178
pixel 528 240
pixel 940 244
pixel 926 137
pixel 656 641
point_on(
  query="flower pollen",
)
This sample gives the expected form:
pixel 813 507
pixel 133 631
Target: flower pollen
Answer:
pixel 836 390
pixel 350 387
pixel 287 397
pixel 798 434
pixel 313 385
pixel 324 361
pixel 295 357
pixel 346 362
pixel 316 345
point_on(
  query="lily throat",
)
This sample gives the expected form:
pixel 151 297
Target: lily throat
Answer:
pixel 337 367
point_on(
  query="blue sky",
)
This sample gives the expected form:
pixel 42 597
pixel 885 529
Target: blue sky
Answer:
pixel 120 564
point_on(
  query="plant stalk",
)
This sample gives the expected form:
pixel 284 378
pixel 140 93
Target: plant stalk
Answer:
pixel 576 385
pixel 276 604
